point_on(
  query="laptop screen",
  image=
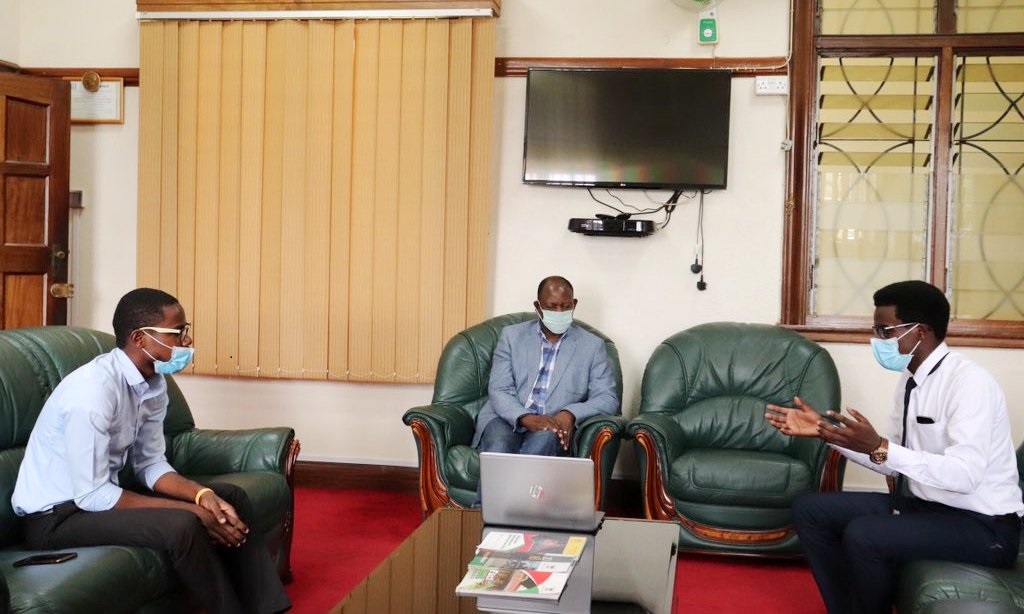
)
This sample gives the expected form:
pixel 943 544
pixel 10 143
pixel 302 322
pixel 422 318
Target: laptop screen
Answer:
pixel 550 492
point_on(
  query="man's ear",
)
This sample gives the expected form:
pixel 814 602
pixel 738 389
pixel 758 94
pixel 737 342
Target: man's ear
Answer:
pixel 137 338
pixel 536 306
pixel 575 302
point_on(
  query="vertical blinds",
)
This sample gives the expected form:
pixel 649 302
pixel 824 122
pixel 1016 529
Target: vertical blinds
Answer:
pixel 316 193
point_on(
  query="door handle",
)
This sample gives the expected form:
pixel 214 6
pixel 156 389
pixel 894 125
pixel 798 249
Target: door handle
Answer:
pixel 62 290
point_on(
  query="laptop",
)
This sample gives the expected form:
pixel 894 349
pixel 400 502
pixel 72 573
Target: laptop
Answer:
pixel 544 492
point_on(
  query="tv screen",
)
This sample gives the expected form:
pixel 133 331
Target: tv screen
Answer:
pixel 627 128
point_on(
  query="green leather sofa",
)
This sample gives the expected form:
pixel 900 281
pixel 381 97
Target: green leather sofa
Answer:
pixel 124 579
pixel 708 458
pixel 937 587
pixel 449 466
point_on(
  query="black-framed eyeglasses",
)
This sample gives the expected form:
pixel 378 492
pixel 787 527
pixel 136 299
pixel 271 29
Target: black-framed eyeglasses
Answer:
pixel 885 332
pixel 185 330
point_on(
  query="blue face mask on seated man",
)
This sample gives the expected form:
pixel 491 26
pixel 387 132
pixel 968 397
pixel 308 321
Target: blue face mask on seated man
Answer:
pixel 181 357
pixel 556 321
pixel 887 352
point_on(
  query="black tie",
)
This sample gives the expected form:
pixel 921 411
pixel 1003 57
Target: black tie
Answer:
pixel 898 489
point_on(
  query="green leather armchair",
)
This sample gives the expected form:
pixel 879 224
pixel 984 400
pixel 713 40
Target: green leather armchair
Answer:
pixel 943 587
pixel 119 578
pixel 709 459
pixel 449 465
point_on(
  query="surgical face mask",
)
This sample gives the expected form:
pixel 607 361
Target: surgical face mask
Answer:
pixel 556 321
pixel 887 352
pixel 181 357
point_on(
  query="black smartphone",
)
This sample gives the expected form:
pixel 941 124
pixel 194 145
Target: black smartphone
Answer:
pixel 51 558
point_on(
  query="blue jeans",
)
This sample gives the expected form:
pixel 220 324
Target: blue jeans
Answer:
pixel 855 545
pixel 500 436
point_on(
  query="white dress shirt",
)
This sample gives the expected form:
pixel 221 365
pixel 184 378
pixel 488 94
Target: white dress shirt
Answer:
pixel 97 416
pixel 958 449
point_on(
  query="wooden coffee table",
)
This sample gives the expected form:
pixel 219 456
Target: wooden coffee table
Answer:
pixel 634 568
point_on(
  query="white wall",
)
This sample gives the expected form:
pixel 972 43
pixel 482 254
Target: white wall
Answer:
pixel 9 30
pixel 638 291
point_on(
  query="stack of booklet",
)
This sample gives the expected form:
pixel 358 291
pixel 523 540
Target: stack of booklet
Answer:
pixel 531 564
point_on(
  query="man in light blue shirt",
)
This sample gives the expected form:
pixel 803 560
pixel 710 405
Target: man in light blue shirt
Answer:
pixel 110 412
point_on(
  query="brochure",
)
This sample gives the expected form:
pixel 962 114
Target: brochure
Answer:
pixel 523 583
pixel 533 543
pixel 527 564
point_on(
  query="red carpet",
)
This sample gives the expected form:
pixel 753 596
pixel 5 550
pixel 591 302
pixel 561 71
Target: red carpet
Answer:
pixel 341 535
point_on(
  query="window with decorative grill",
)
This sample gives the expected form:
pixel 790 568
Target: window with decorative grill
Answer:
pixel 908 163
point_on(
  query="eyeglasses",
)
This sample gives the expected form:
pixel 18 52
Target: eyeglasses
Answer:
pixel 885 332
pixel 181 333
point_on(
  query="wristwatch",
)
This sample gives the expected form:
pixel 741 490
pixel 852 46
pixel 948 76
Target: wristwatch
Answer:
pixel 881 453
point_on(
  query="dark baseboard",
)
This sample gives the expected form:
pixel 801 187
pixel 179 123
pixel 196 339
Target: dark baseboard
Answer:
pixel 623 498
pixel 316 474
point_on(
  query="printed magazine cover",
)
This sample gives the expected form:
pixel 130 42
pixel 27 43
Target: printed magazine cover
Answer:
pixel 512 583
pixel 522 560
pixel 533 543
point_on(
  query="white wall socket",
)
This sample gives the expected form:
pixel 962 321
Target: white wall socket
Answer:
pixel 771 85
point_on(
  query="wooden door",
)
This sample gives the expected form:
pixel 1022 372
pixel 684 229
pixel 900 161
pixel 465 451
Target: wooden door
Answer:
pixel 35 135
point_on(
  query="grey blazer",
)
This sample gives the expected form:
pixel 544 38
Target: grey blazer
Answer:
pixel 582 381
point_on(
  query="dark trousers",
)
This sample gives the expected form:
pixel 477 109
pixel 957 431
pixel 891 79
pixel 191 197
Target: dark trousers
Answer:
pixel 223 580
pixel 855 545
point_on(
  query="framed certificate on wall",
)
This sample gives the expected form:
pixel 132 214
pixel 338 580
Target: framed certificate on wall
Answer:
pixel 97 101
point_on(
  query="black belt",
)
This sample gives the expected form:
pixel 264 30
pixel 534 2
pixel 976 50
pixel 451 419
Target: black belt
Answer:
pixel 42 513
pixel 1011 517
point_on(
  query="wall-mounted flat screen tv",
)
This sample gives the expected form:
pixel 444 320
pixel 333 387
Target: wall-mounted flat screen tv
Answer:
pixel 627 128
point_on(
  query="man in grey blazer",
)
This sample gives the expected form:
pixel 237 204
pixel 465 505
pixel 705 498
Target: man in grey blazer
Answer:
pixel 546 376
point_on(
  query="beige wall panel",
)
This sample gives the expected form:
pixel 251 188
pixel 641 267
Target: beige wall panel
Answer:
pixel 188 84
pixel 167 247
pixel 208 124
pixel 293 196
pixel 364 171
pixel 151 94
pixel 319 122
pixel 341 199
pixel 273 157
pixel 228 201
pixel 307 201
pixel 250 224
pixel 457 172
pixel 432 247
pixel 410 197
pixel 481 122
pixel 385 218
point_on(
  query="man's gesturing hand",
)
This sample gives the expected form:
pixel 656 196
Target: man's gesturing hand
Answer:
pixel 801 421
pixel 853 432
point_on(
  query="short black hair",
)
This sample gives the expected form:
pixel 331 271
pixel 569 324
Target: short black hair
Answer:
pixel 556 280
pixel 140 307
pixel 917 301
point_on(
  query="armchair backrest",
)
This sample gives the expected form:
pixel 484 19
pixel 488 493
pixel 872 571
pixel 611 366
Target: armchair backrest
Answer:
pixel 716 378
pixel 32 362
pixel 464 369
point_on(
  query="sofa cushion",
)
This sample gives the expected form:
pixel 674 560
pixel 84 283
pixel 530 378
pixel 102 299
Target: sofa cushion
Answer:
pixel 105 579
pixel 739 477
pixel 924 584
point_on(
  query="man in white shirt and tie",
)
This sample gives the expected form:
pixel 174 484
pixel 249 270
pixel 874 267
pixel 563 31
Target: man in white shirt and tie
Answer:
pixel 949 456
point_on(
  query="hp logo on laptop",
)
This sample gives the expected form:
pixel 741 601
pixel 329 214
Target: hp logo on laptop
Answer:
pixel 536 491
